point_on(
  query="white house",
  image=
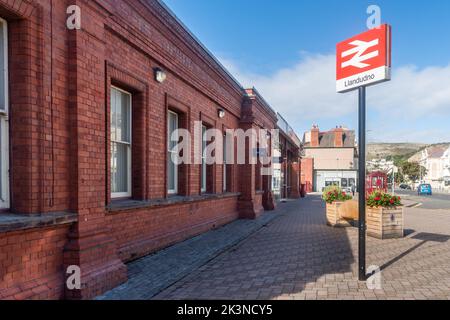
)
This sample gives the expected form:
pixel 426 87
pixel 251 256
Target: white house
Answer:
pixel 381 165
pixel 447 169
pixel 436 159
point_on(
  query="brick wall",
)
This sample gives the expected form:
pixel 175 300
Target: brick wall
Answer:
pixel 31 264
pixel 295 180
pixel 138 232
pixel 60 83
pixel 307 174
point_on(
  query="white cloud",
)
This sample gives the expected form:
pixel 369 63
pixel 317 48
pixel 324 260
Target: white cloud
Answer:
pixel 415 92
pixel 306 92
pixel 431 135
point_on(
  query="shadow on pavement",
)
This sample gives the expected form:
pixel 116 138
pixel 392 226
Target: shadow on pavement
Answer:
pixel 425 237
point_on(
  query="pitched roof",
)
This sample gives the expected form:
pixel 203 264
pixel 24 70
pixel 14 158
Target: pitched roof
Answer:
pixel 326 139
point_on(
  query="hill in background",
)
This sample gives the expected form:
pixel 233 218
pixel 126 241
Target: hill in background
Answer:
pixel 393 150
pixel 397 151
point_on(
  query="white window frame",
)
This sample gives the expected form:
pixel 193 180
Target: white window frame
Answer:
pixel 116 195
pixel 169 153
pixel 224 164
pixel 4 127
pixel 204 166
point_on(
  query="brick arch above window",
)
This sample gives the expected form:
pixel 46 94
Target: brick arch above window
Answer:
pixel 123 78
pixel 207 120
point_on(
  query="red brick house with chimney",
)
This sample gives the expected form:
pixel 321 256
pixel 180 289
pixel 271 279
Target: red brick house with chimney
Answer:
pixel 330 158
pixel 84 119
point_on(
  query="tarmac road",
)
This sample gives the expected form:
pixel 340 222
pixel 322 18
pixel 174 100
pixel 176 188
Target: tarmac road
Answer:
pixel 438 201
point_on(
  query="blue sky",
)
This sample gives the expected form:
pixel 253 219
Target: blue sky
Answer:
pixel 286 49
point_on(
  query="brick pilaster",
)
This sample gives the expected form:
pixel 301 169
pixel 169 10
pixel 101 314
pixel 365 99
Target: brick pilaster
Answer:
pixel 90 245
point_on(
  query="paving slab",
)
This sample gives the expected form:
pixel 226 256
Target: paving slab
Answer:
pixel 150 275
pixel 292 254
pixel 323 261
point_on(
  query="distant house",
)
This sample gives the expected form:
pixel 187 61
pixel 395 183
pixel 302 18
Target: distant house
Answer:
pixel 447 169
pixel 330 158
pixel 437 162
pixel 381 165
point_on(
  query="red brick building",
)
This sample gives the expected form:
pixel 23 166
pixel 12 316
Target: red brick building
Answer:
pixel 84 119
pixel 330 158
pixel 287 171
pixel 307 174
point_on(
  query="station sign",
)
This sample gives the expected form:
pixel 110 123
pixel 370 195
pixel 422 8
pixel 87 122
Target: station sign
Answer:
pixel 364 60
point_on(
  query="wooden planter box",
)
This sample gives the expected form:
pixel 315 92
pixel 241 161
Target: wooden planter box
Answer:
pixel 334 217
pixel 385 223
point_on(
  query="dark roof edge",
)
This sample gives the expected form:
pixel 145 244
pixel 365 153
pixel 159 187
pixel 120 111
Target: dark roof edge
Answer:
pixel 300 143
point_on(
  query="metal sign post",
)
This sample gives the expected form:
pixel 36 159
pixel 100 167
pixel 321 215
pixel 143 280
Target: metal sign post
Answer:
pixel 362 61
pixel 362 184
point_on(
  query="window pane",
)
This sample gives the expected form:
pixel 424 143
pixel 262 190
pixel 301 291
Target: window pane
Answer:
pixel 113 114
pixel 171 184
pixel 203 141
pixel 2 67
pixel 119 167
pixel 4 183
pixel 225 163
pixel 172 125
pixel 120 116
pixel 204 175
pixel 120 142
pixel 2 197
pixel 172 168
pixel 203 158
pixel 125 104
pixel 224 150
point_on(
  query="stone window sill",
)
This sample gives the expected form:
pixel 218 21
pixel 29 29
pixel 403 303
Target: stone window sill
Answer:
pixel 14 222
pixel 126 205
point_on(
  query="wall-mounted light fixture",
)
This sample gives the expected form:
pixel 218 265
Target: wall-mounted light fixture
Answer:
pixel 221 113
pixel 160 75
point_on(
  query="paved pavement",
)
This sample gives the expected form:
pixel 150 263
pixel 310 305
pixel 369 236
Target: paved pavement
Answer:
pixel 151 274
pixel 299 257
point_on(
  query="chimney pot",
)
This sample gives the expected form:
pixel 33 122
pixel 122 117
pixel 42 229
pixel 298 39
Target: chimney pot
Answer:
pixel 339 137
pixel 315 136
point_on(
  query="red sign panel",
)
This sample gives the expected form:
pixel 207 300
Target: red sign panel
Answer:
pixel 364 59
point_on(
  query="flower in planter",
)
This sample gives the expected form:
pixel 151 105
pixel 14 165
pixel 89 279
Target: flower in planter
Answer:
pixel 381 199
pixel 333 193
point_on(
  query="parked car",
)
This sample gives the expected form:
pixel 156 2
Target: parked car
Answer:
pixel 425 189
pixel 404 186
